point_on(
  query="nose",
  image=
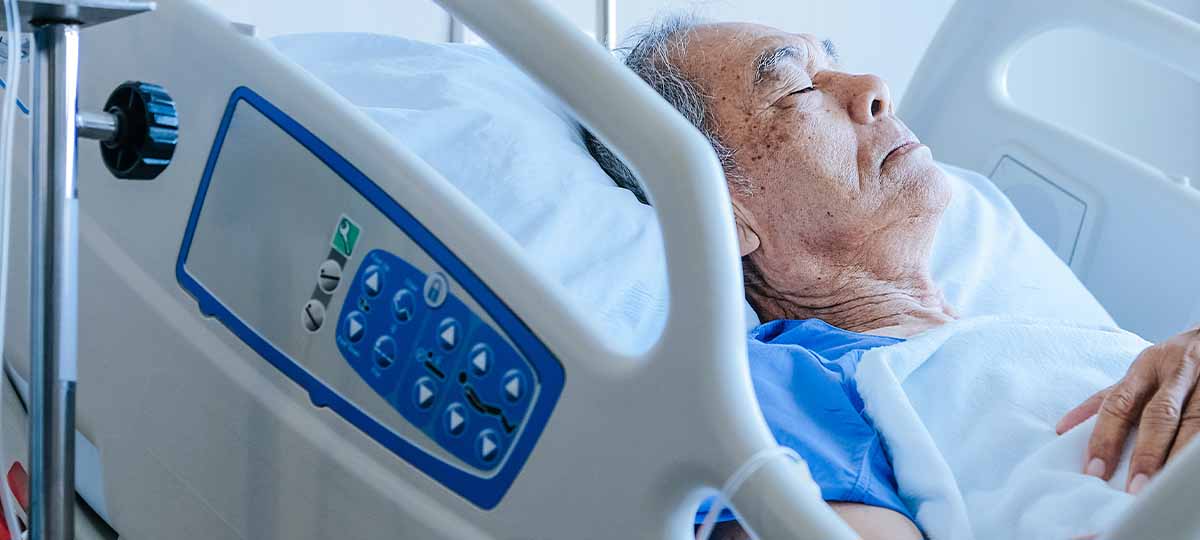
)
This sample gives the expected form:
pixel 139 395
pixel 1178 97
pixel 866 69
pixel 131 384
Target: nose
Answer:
pixel 866 97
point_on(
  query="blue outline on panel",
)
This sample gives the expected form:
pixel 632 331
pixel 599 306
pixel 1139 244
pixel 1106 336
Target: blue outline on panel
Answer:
pixel 480 397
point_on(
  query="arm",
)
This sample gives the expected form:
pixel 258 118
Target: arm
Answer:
pixel 870 522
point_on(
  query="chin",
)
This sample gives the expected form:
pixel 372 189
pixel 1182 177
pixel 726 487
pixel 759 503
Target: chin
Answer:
pixel 923 184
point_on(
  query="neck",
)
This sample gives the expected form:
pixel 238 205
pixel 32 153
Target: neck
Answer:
pixel 900 307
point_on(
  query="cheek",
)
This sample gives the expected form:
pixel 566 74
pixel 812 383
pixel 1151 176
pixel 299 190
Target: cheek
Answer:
pixel 805 149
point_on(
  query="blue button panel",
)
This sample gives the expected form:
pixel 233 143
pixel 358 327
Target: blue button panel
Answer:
pixel 434 361
pixel 400 328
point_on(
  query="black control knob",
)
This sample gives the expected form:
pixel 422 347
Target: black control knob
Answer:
pixel 147 131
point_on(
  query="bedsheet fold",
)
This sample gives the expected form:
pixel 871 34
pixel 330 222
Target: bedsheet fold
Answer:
pixel 968 413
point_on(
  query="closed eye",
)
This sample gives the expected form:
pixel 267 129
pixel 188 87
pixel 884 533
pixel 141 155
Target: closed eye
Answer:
pixel 803 91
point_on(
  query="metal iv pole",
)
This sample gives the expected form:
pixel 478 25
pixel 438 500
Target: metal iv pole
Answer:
pixel 124 131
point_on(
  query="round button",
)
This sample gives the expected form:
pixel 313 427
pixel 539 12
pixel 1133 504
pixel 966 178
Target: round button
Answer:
pixel 513 384
pixel 313 315
pixel 448 334
pixel 385 351
pixel 354 327
pixel 480 359
pixel 487 445
pixel 329 275
pixel 455 419
pixel 404 305
pixel 372 281
pixel 424 393
pixel 435 290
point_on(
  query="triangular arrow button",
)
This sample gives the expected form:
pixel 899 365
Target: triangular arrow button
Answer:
pixel 487 448
pixel 354 329
pixel 424 396
pixel 448 334
pixel 480 361
pixel 513 388
pixel 456 421
pixel 372 283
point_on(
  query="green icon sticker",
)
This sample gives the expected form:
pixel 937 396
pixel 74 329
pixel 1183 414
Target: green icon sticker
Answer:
pixel 345 236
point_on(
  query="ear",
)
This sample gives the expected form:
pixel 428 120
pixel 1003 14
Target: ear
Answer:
pixel 748 240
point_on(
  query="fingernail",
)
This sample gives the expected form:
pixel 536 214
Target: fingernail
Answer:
pixel 1095 467
pixel 1138 482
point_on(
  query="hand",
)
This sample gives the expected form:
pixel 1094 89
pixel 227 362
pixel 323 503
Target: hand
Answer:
pixel 1157 396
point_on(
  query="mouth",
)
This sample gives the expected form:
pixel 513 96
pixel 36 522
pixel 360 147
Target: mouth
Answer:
pixel 902 150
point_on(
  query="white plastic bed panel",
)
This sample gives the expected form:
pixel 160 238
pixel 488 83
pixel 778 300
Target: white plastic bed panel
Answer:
pixel 201 437
pixel 1127 229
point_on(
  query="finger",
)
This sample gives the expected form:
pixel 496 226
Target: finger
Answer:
pixel 1081 412
pixel 1189 425
pixel 1118 414
pixel 1156 431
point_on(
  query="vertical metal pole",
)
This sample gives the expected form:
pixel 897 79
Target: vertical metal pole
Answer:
pixel 54 277
pixel 606 23
pixel 458 32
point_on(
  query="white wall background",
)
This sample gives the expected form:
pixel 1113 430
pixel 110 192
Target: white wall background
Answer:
pixel 1070 77
pixel 886 37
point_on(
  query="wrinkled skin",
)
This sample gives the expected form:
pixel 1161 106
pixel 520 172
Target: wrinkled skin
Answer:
pixel 836 220
pixel 837 231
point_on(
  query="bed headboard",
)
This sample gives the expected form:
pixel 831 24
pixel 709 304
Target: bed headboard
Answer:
pixel 1124 227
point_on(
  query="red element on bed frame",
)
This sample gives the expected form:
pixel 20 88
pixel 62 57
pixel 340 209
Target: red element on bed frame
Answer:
pixel 18 482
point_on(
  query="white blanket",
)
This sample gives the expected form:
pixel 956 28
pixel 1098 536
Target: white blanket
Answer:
pixel 968 413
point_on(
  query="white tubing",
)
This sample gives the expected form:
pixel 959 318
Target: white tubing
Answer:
pixel 7 120
pixel 735 482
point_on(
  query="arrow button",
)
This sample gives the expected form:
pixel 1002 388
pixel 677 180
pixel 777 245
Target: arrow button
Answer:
pixel 455 418
pixel 424 393
pixel 356 326
pixel 481 359
pixel 373 282
pixel 448 334
pixel 488 445
pixel 514 386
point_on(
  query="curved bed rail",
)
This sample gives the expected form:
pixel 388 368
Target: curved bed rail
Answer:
pixel 1084 197
pixel 631 443
pixel 960 85
pixel 703 332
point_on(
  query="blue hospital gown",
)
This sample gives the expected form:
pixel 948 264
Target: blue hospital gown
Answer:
pixel 803 374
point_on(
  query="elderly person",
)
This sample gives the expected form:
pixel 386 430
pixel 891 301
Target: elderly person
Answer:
pixel 836 204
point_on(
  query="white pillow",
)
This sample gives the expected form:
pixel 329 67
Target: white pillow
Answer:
pixel 514 150
pixel 989 262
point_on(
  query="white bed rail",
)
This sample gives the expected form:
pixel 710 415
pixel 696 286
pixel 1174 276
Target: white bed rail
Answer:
pixel 1119 223
pixel 605 28
pixel 1126 229
pixel 201 437
pixel 703 333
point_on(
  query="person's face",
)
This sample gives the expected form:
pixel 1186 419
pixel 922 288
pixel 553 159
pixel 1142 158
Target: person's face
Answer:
pixel 833 171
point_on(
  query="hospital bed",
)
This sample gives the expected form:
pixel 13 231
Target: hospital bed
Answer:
pixel 217 360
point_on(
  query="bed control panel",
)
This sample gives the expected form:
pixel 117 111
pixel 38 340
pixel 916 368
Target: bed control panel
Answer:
pixel 439 365
pixel 325 275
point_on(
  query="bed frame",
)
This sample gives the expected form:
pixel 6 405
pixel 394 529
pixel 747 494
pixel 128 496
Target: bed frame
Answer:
pixel 209 426
pixel 1129 231
pixel 202 435
pixel 1090 202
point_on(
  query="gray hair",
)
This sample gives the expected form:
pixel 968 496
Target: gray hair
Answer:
pixel 650 54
